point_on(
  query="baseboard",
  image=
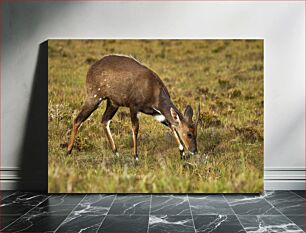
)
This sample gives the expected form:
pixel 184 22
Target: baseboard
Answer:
pixel 284 174
pixel 275 178
pixel 8 184
pixel 284 178
pixel 284 184
pixel 11 178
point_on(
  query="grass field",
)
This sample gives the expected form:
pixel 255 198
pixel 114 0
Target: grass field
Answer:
pixel 226 75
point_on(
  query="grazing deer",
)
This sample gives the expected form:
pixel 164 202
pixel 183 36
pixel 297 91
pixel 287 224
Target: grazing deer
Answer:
pixel 123 81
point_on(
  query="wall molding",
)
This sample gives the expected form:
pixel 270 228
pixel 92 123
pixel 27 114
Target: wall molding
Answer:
pixel 9 169
pixel 284 184
pixel 285 169
pixel 10 179
pixel 294 174
pixel 275 178
pixel 284 178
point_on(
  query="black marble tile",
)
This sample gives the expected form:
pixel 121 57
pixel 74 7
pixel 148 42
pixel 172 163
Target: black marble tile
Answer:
pixel 300 193
pixel 20 203
pixel 281 193
pixel 20 197
pixel 81 223
pixel 7 220
pixel 95 204
pixel 266 223
pixel 217 223
pixel 35 223
pixel 130 204
pixel 209 205
pixel 168 213
pixel 49 214
pixel 5 194
pixel 250 205
pixel 124 223
pixel 286 202
pixel 98 199
pixel 63 210
pixel 66 199
pixel 170 205
pixel 55 205
pixel 299 220
pixel 166 223
pixel 88 214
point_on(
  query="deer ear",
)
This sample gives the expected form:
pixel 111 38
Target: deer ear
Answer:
pixel 174 115
pixel 188 113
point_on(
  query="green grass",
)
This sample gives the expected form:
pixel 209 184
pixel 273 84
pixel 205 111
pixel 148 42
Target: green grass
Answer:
pixel 225 75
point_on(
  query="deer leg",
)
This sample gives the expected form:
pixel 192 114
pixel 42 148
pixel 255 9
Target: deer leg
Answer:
pixel 135 128
pixel 109 113
pixel 88 108
pixel 181 147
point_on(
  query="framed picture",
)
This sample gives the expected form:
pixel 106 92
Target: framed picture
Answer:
pixel 155 116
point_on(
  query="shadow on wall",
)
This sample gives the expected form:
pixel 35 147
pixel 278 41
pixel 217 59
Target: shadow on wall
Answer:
pixel 34 153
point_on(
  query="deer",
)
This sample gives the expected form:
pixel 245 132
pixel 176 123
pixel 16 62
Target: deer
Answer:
pixel 125 82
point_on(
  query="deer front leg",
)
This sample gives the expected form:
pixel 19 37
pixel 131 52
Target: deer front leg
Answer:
pixel 181 147
pixel 110 111
pixel 135 128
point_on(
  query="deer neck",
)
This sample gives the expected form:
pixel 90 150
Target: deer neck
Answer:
pixel 164 109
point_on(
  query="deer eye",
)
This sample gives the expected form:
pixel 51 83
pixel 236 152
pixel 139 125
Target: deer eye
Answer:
pixel 189 135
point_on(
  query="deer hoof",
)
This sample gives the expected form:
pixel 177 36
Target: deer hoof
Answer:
pixel 182 153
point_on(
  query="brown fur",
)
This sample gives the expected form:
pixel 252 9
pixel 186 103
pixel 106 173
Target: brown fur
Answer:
pixel 124 82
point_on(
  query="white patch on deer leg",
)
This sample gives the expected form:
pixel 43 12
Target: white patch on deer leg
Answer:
pixel 137 159
pixel 109 132
pixel 157 110
pixel 160 118
pixel 117 154
pixel 107 125
pixel 181 147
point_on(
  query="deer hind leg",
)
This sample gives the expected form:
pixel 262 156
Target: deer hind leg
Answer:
pixel 109 113
pixel 88 108
pixel 135 128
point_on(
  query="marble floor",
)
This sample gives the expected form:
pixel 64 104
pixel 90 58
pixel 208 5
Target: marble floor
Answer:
pixel 272 211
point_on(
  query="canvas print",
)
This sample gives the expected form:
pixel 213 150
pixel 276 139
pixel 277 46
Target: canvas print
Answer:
pixel 155 116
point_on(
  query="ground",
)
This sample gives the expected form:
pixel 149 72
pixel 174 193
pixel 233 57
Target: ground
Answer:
pixel 225 76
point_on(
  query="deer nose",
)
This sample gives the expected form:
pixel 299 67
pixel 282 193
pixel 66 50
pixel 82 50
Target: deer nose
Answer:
pixel 194 150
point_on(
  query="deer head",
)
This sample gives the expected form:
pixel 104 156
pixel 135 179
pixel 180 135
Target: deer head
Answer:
pixel 186 128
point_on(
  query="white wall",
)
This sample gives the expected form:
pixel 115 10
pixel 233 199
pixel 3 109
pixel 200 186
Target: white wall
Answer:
pixel 281 24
